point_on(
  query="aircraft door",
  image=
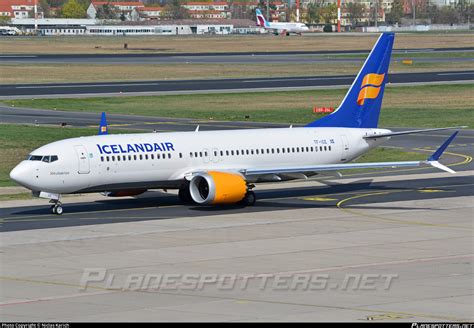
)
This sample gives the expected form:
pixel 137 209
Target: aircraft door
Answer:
pixel 83 159
pixel 345 148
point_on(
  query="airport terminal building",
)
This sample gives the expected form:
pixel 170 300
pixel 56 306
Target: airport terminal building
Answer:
pixel 62 26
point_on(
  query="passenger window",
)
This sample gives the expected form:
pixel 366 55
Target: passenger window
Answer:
pixel 237 152
pixel 222 153
pixel 329 148
pixel 169 155
pixel 215 152
pixel 108 159
pixel 251 151
pixel 195 154
pixel 200 154
pixel 124 157
pixel 205 154
pixel 152 156
pixel 320 148
pixel 101 158
pixel 256 150
pixel 129 157
pixel 141 156
pixel 293 149
pixel 325 148
pixel 135 157
pixel 232 152
pixel 118 158
pixel 180 155
pixel 113 158
pixel 283 150
pixel 227 152
pixel 190 155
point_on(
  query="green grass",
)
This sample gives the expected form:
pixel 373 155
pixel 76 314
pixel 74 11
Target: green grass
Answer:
pixel 408 106
pixel 18 196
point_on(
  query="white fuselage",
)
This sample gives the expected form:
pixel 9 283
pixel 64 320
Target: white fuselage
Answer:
pixel 288 27
pixel 162 160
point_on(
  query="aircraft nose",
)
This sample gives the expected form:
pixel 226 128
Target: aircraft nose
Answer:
pixel 19 174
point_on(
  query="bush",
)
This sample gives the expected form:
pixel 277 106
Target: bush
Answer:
pixel 327 28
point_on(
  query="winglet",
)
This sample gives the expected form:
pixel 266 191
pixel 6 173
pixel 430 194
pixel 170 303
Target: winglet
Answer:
pixel 437 154
pixel 103 128
pixel 433 159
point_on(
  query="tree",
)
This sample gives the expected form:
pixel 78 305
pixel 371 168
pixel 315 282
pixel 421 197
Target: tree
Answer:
pixel 355 11
pixel 72 9
pixel 396 14
pixel 106 11
pixel 313 14
pixel 4 20
pixel 329 13
pixel 465 10
pixel 174 10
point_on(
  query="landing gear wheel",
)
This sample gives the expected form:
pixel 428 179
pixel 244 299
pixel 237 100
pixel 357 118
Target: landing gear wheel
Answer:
pixel 58 209
pixel 53 209
pixel 249 199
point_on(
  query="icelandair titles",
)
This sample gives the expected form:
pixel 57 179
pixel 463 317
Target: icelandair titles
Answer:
pixel 136 148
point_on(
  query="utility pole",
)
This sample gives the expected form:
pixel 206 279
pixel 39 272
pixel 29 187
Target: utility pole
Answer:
pixel 338 16
pixel 413 6
pixel 36 16
pixel 297 11
pixel 376 7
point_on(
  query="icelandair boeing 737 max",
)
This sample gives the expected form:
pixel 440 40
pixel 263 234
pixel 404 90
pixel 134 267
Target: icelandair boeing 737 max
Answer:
pixel 221 167
pixel 280 28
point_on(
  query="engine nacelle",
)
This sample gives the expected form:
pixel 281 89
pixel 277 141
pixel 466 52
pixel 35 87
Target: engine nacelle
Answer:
pixel 123 193
pixel 217 188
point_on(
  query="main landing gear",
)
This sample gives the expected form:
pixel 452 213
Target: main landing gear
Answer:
pixel 56 208
pixel 249 199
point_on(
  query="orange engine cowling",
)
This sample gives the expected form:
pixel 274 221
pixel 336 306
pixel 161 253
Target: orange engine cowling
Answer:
pixel 217 188
pixel 124 193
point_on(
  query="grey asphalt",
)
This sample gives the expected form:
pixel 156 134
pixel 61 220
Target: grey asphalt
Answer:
pixel 222 58
pixel 12 91
pixel 165 206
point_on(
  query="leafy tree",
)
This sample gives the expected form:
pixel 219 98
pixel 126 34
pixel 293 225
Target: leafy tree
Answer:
pixel 106 11
pixel 313 14
pixel 329 13
pixel 5 20
pixel 465 10
pixel 396 14
pixel 174 10
pixel 72 9
pixel 355 11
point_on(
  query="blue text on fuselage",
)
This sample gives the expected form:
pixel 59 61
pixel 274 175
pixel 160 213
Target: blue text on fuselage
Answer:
pixel 135 148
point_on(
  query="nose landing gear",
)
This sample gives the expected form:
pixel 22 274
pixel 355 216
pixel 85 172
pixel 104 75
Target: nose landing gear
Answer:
pixel 56 208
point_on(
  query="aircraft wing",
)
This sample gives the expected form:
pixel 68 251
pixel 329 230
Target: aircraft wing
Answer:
pixel 430 161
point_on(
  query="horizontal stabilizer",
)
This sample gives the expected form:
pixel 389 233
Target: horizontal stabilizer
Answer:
pixel 392 134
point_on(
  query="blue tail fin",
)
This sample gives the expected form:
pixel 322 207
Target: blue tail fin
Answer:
pixel 103 128
pixel 360 108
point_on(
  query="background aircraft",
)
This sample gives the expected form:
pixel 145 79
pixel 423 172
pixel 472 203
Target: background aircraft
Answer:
pixel 280 28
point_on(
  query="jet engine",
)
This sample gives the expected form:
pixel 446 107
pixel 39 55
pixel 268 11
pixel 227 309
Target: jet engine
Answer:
pixel 217 188
pixel 123 193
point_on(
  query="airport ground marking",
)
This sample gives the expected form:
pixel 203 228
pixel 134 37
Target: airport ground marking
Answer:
pixel 340 206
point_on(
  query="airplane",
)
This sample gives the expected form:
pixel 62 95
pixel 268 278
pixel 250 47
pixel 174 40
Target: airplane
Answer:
pixel 280 28
pixel 222 167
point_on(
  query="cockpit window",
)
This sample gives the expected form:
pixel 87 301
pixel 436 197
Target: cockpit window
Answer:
pixel 46 159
